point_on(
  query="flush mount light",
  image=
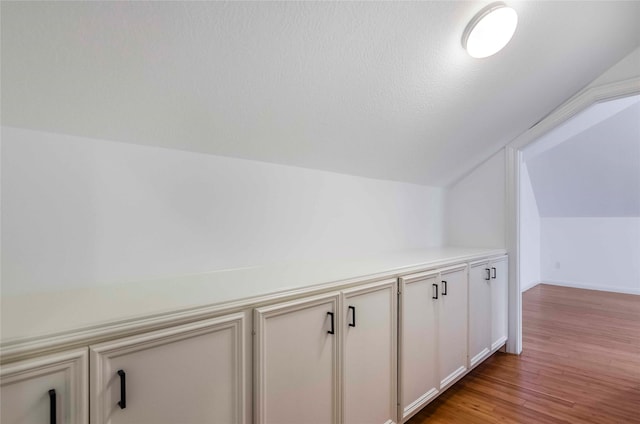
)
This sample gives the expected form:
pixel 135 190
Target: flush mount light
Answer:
pixel 490 30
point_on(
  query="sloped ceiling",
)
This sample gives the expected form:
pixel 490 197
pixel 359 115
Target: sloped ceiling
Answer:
pixel 594 173
pixel 377 89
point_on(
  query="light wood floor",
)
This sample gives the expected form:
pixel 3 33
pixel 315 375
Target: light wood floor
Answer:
pixel 580 364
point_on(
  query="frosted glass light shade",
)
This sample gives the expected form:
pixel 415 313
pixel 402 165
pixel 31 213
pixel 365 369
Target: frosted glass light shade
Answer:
pixel 490 30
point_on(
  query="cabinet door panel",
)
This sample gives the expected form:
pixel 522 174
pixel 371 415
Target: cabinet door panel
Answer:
pixel 297 362
pixel 499 304
pixel 418 342
pixel 479 313
pixel 453 325
pixel 25 385
pixel 369 329
pixel 189 374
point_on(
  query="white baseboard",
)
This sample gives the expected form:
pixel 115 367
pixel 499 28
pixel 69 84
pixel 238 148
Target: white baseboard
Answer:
pixel 526 287
pixel 627 290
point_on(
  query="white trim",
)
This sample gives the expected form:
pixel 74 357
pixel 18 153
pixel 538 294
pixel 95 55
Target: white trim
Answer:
pixel 498 344
pixel 418 404
pixel 577 104
pixel 513 155
pixel 575 285
pixel 455 268
pixel 451 379
pixel 408 279
pixel 474 264
pixel 479 357
pixel 529 286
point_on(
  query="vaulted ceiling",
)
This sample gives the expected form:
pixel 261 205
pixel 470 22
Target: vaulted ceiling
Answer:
pixel 377 89
pixel 590 171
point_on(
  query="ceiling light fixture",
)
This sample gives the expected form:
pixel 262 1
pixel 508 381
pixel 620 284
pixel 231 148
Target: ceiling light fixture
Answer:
pixel 490 30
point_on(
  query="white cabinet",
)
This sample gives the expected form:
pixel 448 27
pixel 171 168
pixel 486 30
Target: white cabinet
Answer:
pixel 433 335
pixel 479 312
pixel 452 328
pixel 499 302
pixel 45 390
pixel 418 342
pixel 296 361
pixel 488 294
pixel 354 352
pixel 305 348
pixel 369 331
pixel 192 373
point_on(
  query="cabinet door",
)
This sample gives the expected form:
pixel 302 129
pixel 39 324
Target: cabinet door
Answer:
pixel 43 390
pixel 480 290
pixel 369 334
pixel 499 303
pixel 296 361
pixel 452 335
pixel 192 373
pixel 418 347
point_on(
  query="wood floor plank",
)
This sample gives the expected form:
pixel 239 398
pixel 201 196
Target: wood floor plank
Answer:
pixel 580 364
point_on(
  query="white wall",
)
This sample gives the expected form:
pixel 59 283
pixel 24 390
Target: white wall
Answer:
pixel 80 212
pixel 475 206
pixel 592 252
pixel 529 233
pixel 593 173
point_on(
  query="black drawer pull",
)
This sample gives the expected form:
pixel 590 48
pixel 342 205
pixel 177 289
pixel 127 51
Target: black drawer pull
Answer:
pixel 435 286
pixel 494 273
pixel 488 274
pixel 123 390
pixel 332 331
pixel 353 316
pixel 444 288
pixel 52 406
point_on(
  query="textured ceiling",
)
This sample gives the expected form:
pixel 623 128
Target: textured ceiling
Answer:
pixel 594 172
pixel 377 89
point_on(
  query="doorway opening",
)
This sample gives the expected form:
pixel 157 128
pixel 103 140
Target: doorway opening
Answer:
pixel 532 154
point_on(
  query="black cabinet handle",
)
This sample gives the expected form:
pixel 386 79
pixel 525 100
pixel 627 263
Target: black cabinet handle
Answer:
pixel 488 274
pixel 123 390
pixel 494 273
pixel 52 406
pixel 353 316
pixel 332 331
pixel 435 286
pixel 444 288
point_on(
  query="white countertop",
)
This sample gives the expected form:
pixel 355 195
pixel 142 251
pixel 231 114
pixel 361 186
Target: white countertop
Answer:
pixel 38 316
